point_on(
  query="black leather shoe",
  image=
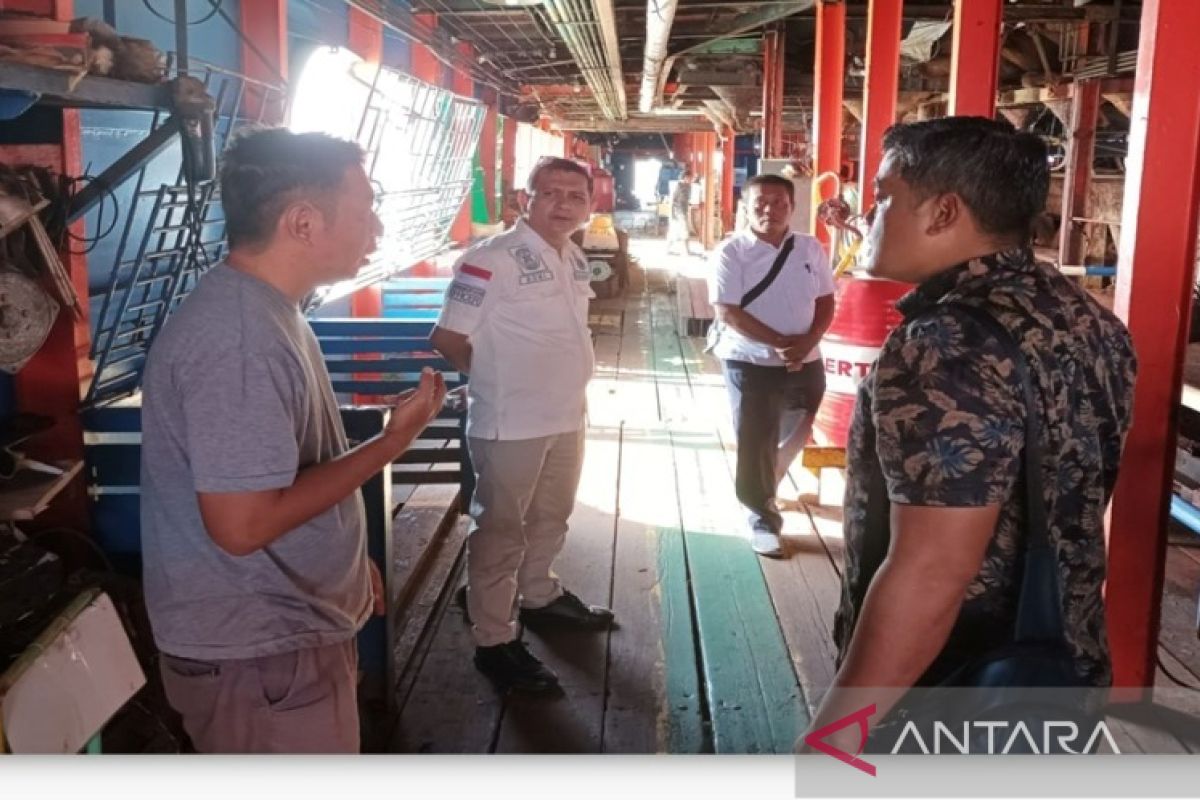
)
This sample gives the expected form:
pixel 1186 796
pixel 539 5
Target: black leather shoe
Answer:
pixel 512 666
pixel 568 611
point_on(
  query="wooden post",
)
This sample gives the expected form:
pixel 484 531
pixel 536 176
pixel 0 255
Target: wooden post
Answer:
pixel 975 59
pixel 830 68
pixel 1154 284
pixel 880 88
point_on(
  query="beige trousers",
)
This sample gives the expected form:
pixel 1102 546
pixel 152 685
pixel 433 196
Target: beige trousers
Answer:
pixel 298 702
pixel 524 493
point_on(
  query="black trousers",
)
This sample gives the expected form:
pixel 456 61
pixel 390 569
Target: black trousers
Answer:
pixel 768 405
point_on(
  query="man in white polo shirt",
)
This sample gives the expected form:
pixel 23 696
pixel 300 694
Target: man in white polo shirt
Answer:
pixel 773 294
pixel 515 319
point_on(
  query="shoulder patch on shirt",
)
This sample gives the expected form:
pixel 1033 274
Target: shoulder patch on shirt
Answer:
pixel 533 269
pixel 472 271
pixel 582 271
pixel 460 292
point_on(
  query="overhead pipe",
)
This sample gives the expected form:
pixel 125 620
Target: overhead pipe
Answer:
pixel 581 25
pixel 743 23
pixel 660 16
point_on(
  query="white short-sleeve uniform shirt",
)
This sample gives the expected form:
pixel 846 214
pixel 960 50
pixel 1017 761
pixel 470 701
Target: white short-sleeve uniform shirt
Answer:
pixel 789 303
pixel 524 309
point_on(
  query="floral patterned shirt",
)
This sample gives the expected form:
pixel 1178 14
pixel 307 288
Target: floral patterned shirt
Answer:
pixel 939 421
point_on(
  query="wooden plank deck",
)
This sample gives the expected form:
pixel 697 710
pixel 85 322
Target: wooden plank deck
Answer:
pixel 716 650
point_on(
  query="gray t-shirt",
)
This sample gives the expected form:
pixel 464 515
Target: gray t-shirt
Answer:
pixel 236 398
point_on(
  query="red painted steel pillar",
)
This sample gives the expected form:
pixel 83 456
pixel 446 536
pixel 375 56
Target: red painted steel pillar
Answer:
pixel 975 59
pixel 728 156
pixel 880 89
pixel 772 145
pixel 508 157
pixel 265 24
pixel 708 151
pixel 365 37
pixel 422 63
pixel 830 76
pixel 1085 110
pixel 1154 281
pixel 56 378
pixel 425 66
pixel 487 153
pixel 461 84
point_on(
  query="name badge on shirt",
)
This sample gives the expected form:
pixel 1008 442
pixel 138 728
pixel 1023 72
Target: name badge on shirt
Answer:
pixel 533 269
pixel 582 272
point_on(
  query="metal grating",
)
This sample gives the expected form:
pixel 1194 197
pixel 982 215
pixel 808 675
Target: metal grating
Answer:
pixel 157 264
pixel 420 142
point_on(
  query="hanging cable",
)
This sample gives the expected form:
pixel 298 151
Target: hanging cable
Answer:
pixel 72 185
pixel 216 6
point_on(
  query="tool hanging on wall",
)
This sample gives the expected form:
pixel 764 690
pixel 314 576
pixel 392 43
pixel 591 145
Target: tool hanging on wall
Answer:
pixel 25 244
pixel 194 108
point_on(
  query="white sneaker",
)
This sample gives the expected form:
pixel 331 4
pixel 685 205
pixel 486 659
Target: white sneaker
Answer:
pixel 766 543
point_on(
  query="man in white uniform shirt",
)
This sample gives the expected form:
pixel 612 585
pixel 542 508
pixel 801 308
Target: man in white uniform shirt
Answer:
pixel 771 323
pixel 515 319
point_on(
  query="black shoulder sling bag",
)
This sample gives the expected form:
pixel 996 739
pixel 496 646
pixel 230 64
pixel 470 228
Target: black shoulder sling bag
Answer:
pixel 997 685
pixel 714 330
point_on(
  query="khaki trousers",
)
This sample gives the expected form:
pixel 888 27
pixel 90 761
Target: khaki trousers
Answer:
pixel 298 702
pixel 524 493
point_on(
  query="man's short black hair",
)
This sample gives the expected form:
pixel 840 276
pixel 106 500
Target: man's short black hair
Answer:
pixel 1000 173
pixel 265 169
pixel 772 180
pixel 552 164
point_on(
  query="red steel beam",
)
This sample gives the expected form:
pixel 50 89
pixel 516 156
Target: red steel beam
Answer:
pixel 728 156
pixel 265 24
pixel 422 62
pixel 830 69
pixel 1154 282
pixel 508 157
pixel 884 19
pixel 1085 110
pixel 55 379
pixel 365 37
pixel 461 83
pixel 707 151
pixel 772 111
pixel 975 58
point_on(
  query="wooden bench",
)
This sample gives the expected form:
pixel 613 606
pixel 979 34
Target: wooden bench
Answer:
pixel 395 350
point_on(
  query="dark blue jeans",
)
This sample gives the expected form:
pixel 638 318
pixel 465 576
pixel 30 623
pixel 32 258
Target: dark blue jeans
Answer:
pixel 771 406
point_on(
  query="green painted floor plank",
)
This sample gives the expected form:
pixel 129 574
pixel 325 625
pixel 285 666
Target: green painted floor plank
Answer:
pixel 753 696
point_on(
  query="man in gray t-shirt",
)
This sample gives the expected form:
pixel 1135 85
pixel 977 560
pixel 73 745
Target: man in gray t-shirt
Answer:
pixel 253 531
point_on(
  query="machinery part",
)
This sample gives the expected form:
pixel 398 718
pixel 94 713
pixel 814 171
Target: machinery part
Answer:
pixel 26 315
pixel 195 107
pixel 601 270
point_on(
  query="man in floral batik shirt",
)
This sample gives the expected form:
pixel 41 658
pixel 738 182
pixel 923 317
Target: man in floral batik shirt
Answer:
pixel 934 459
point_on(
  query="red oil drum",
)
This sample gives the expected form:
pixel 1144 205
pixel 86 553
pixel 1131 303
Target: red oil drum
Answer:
pixel 866 313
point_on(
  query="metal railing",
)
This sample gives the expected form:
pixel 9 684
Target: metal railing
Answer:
pixel 420 142
pixel 158 261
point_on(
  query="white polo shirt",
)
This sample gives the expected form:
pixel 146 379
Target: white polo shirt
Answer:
pixel 524 309
pixel 789 303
